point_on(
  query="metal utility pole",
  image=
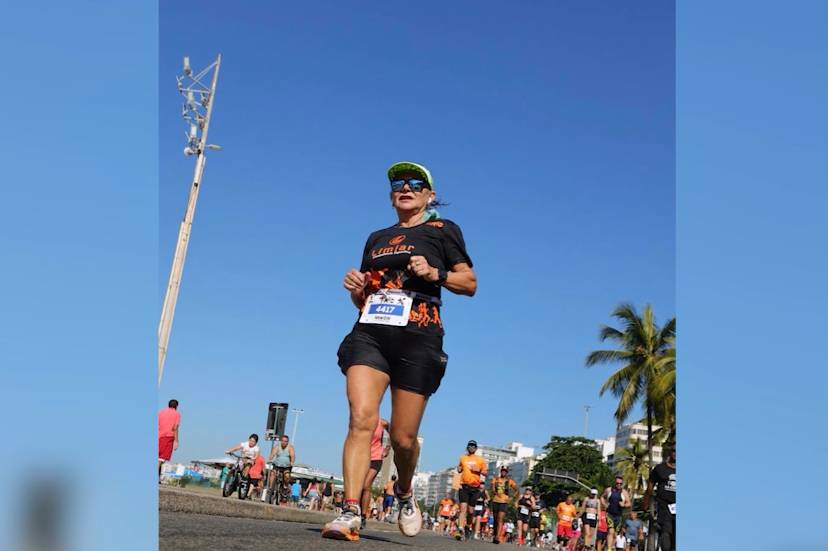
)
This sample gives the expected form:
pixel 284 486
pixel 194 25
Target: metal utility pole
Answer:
pixel 198 107
pixel 296 413
pixel 586 421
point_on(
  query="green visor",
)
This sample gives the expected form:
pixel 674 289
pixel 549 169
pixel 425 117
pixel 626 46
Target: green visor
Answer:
pixel 406 166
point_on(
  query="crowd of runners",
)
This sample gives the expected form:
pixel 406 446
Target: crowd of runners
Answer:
pixel 501 513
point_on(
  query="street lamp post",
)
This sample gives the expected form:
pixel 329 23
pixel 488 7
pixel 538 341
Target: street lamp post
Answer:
pixel 296 413
pixel 198 107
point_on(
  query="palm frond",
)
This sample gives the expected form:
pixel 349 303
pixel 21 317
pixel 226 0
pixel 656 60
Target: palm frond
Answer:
pixel 606 356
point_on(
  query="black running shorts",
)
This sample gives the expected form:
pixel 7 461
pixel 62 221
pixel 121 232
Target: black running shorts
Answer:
pixel 414 361
pixel 534 522
pixel 499 507
pixel 468 494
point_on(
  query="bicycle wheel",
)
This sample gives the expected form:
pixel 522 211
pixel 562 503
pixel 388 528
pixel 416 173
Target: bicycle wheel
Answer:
pixel 229 485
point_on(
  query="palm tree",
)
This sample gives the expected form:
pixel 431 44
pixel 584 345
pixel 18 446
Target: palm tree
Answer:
pixel 631 463
pixel 644 352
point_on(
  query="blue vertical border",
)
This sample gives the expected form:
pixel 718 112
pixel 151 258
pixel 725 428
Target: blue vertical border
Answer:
pixel 79 308
pixel 751 254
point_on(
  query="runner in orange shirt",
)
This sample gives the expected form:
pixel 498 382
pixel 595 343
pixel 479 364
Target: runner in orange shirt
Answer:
pixel 566 512
pixel 446 507
pixel 472 469
pixel 503 489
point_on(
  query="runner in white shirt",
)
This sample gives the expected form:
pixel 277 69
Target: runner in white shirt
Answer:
pixel 620 540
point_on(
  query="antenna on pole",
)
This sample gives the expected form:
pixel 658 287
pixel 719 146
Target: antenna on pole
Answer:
pixel 586 421
pixel 197 117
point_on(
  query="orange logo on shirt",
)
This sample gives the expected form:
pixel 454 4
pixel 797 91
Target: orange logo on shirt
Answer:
pixel 396 240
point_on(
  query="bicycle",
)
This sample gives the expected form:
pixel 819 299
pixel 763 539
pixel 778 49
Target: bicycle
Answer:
pixel 278 478
pixel 235 479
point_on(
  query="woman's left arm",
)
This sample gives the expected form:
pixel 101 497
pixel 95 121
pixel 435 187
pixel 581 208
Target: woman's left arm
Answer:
pixel 461 280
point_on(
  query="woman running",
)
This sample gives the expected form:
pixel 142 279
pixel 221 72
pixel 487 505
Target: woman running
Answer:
pixel 524 508
pixel 589 516
pixel 398 339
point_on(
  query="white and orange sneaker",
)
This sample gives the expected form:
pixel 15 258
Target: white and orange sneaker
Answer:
pixel 410 520
pixel 344 527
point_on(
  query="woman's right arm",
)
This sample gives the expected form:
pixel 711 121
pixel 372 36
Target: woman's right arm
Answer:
pixel 355 284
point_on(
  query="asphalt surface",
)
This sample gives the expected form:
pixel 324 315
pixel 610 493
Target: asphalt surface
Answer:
pixel 209 532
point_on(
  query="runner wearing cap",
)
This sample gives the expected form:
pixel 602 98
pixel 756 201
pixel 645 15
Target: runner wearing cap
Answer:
pixel 397 340
pixel 503 488
pixel 524 509
pixel 589 514
pixel 472 469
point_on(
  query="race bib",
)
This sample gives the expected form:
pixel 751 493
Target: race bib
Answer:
pixel 387 307
pixel 535 513
pixel 524 511
pixel 672 508
pixel 591 516
pixel 478 507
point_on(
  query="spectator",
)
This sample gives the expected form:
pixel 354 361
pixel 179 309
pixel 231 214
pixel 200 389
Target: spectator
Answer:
pixel 169 420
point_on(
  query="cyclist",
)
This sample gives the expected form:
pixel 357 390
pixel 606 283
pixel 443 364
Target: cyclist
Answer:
pixel 472 469
pixel 249 450
pixel 566 513
pixel 378 453
pixel 589 515
pixel 312 494
pixel 613 500
pixel 398 338
pixel 524 508
pixel 502 489
pixel 663 481
pixel 282 457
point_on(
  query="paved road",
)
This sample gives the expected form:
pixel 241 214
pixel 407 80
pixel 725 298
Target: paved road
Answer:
pixel 208 532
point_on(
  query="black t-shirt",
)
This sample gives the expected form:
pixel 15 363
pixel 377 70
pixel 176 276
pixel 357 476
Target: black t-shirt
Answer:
pixel 664 477
pixel 524 502
pixel 386 256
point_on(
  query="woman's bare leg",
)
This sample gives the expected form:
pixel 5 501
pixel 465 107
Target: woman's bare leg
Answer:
pixel 407 410
pixel 365 387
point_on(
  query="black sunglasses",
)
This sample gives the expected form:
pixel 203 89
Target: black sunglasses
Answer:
pixel 414 184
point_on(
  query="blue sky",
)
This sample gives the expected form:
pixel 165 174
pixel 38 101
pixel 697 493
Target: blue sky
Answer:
pixel 552 138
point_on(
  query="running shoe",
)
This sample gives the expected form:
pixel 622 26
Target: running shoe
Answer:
pixel 344 527
pixel 410 520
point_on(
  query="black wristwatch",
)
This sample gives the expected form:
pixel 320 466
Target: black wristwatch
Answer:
pixel 442 276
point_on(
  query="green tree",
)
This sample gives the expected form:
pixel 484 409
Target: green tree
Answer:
pixel 577 455
pixel 631 463
pixel 644 350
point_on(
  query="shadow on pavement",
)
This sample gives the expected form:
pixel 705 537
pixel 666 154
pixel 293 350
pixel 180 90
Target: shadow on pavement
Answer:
pixel 364 536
